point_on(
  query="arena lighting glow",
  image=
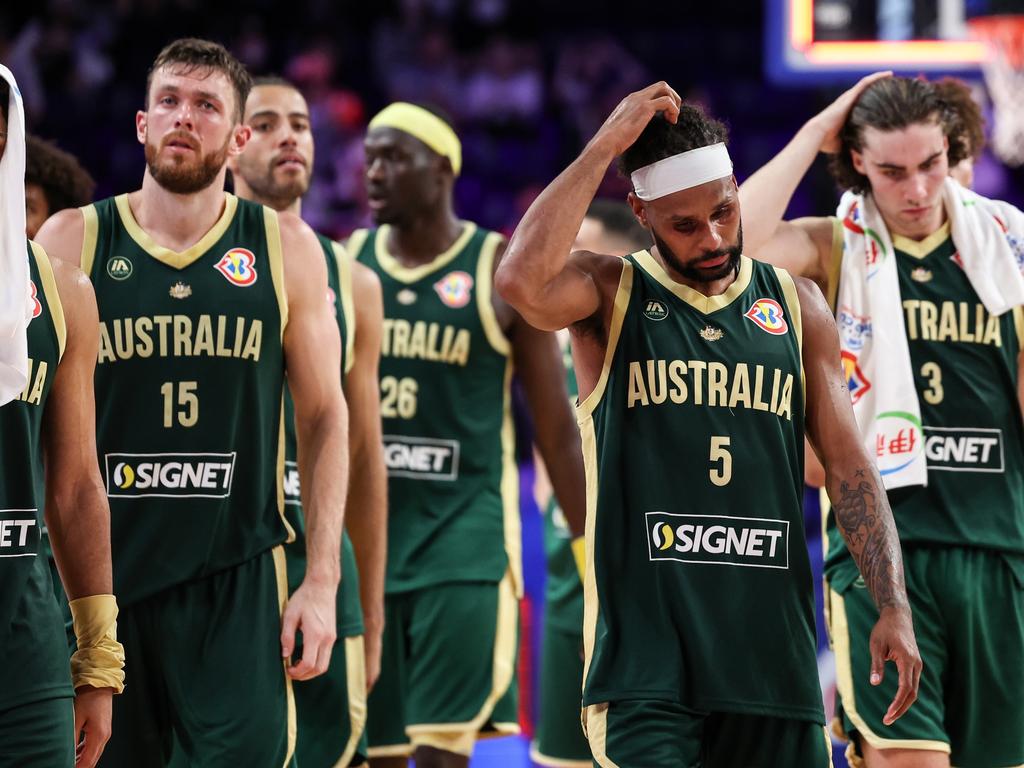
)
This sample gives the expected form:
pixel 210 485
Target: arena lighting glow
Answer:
pixel 794 56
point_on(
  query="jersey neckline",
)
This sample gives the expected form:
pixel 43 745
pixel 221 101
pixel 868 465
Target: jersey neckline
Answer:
pixel 703 304
pixel 919 249
pixel 403 274
pixel 175 259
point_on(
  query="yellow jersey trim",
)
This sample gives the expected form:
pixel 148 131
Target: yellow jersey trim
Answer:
pixel 52 297
pixel 290 532
pixel 460 737
pixel 484 284
pixel 275 255
pixel 1018 324
pixel 407 275
pixel 355 241
pixel 591 604
pixel 844 683
pixel 175 259
pixel 921 248
pixel 596 717
pixel 703 304
pixel 355 680
pixel 90 236
pixel 795 318
pixel 509 486
pixel 622 294
pixel 825 504
pixel 344 266
pixel 281 572
pixel 835 263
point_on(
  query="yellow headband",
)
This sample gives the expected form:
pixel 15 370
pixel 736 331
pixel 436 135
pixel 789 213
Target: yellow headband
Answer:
pixel 423 125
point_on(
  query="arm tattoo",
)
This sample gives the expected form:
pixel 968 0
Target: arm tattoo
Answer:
pixel 863 516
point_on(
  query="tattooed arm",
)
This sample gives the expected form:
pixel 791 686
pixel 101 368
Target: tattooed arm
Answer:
pixel 859 501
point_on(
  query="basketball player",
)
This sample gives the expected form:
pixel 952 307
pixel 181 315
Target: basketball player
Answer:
pixel 449 346
pixel 54 180
pixel 200 320
pixel 698 370
pixel 608 227
pixel 47 447
pixel 275 170
pixel 963 532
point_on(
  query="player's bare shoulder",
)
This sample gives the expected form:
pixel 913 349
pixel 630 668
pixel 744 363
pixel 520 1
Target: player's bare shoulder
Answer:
pixel 62 235
pixel 304 267
pixel 606 273
pixel 815 314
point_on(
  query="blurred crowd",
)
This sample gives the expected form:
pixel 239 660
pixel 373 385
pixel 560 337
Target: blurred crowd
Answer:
pixel 525 82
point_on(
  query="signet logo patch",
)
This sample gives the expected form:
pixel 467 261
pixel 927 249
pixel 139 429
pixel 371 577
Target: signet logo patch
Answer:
pixel 455 289
pixel 767 315
pixel 238 266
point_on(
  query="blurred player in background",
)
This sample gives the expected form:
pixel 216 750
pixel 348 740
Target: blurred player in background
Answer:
pixel 275 170
pixel 608 227
pixel 450 346
pixel 201 318
pixel 54 180
pixel 925 280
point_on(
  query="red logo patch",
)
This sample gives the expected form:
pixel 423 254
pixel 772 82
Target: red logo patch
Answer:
pixel 767 315
pixel 455 289
pixel 37 308
pixel 238 266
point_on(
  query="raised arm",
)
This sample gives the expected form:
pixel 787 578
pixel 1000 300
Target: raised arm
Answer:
pixel 367 517
pixel 538 277
pixel 859 502
pixel 312 350
pixel 77 515
pixel 802 246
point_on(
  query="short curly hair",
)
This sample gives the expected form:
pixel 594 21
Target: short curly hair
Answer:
pixel 65 183
pixel 662 139
pixel 889 105
pixel 957 94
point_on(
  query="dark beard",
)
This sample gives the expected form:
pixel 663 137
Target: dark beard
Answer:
pixel 182 179
pixel 279 196
pixel 699 274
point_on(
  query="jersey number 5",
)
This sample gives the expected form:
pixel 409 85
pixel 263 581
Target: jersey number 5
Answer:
pixel 187 401
pixel 720 475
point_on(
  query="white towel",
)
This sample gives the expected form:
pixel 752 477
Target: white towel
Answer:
pixel 989 236
pixel 15 301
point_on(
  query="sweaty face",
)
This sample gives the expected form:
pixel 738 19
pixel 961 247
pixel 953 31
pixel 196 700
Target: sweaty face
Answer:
pixel 906 169
pixel 37 208
pixel 188 127
pixel 403 175
pixel 278 159
pixel 698 231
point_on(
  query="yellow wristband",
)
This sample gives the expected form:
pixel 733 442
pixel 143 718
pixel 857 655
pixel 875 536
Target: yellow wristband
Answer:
pixel 579 553
pixel 99 660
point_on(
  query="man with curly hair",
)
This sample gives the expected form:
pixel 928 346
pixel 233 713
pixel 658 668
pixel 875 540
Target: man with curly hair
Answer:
pixel 925 279
pixel 54 180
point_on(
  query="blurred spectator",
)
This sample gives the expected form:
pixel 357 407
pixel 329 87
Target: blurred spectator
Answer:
pixel 54 180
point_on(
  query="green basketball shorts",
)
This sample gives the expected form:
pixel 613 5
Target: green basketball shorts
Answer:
pixel 40 734
pixel 968 609
pixel 659 734
pixel 204 674
pixel 560 742
pixel 448 668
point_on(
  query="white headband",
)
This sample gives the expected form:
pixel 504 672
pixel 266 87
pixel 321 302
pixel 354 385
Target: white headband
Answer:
pixel 682 171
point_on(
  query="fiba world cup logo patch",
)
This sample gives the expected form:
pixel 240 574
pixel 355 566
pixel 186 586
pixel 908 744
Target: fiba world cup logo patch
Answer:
pixel 238 266
pixel 37 308
pixel 767 315
pixel 455 289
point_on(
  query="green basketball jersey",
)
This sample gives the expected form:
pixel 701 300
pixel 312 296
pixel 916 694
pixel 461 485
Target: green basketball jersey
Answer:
pixel 30 619
pixel 563 591
pixel 445 375
pixel 964 362
pixel 339 294
pixel 698 587
pixel 189 393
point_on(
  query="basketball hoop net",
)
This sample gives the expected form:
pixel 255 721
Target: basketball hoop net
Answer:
pixel 1004 76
